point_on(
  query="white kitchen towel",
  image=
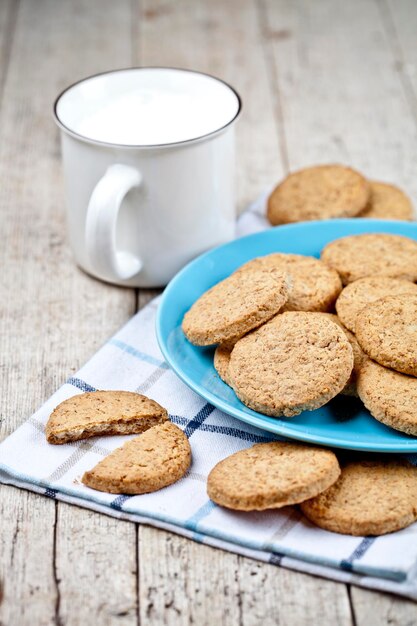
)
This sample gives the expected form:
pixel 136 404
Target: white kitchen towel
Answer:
pixel 131 360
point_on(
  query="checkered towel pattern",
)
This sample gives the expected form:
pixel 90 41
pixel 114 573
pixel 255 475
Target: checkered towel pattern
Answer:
pixel 131 360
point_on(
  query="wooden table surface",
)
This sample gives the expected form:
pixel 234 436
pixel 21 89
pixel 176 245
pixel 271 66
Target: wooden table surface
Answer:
pixel 332 80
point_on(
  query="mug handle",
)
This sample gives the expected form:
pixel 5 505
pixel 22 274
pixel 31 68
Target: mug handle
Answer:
pixel 101 221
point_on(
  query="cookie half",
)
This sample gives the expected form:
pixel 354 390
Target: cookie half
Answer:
pixel 377 254
pixel 359 294
pixel 387 332
pixel 154 460
pixel 369 498
pixel 235 306
pixel 318 193
pixel 389 396
pixel 100 413
pixel 296 362
pixel 271 475
pixel 388 202
pixel 312 285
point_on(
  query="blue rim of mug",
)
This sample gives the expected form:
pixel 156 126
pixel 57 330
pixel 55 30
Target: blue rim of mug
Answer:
pixel 68 130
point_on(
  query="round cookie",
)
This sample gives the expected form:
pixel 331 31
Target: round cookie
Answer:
pixel 271 475
pixel 221 362
pixel 359 294
pixel 359 357
pixel 317 193
pixel 387 202
pixel 296 362
pixel 312 285
pixel 235 306
pixel 389 396
pixel 387 332
pixel 369 498
pixel 154 460
pixel 377 254
pixel 99 413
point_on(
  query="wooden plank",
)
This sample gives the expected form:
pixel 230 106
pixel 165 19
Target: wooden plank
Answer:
pixel 400 21
pixel 99 555
pixel 342 98
pixel 221 38
pixel 53 315
pixel 28 594
pixel 8 13
pixel 377 608
pixel 182 582
pixel 289 598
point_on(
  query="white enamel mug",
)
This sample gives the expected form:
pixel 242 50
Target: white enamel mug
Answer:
pixel 149 159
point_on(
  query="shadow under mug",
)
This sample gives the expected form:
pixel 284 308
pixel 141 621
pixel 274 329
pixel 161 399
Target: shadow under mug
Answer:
pixel 138 213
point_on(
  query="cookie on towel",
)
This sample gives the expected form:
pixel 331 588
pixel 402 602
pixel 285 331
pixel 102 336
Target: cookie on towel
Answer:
pixel 379 254
pixel 317 193
pixel 387 332
pixel 221 362
pixel 389 396
pixel 98 413
pixel 359 294
pixel 296 362
pixel 235 306
pixel 387 202
pixel 369 498
pixel 271 475
pixel 154 460
pixel 312 285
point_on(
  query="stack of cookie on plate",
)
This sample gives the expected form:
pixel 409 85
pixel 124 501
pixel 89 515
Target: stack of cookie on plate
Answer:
pixel 329 191
pixel 292 333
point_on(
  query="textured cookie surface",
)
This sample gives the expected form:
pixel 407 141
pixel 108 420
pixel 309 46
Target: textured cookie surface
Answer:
pixel 312 285
pixel 359 357
pixel 377 254
pixel 387 332
pixel 297 361
pixel 387 202
pixel 271 475
pixel 154 460
pixel 360 293
pixel 103 413
pixel 235 306
pixel 389 396
pixel 369 498
pixel 221 362
pixel 317 193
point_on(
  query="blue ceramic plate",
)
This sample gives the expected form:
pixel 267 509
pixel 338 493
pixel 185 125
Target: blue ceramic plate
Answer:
pixel 344 422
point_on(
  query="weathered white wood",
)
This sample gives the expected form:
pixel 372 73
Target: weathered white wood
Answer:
pixel 289 598
pixel 400 20
pixel 376 608
pixel 221 38
pixel 8 12
pixel 53 316
pixel 182 582
pixel 342 97
pixel 99 555
pixel 28 594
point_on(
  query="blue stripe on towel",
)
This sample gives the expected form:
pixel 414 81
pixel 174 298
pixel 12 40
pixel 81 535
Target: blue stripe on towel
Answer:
pixel 200 514
pixel 118 502
pixel 138 354
pixel 195 423
pixel 358 553
pixel 80 384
